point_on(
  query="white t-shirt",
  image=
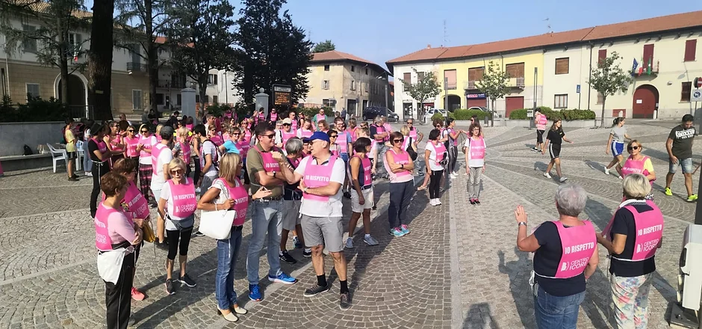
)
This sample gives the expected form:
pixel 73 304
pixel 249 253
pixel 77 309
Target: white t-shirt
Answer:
pixel 209 148
pixel 432 157
pixel 151 141
pixel 473 163
pixel 164 158
pixel 332 207
pixel 166 194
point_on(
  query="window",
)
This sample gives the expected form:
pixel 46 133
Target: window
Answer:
pixel 215 99
pixel 197 98
pixel 326 67
pixel 560 101
pixel 450 79
pixel 353 85
pixel 329 102
pixel 212 79
pixel 406 80
pixel 29 46
pixel 207 99
pixel 3 81
pixel 353 69
pixel 515 70
pixel 366 71
pixel 420 76
pixel 685 93
pixel 33 90
pixel 325 84
pixel 179 99
pixel 159 99
pixel 136 99
pixel 476 73
pixel 75 40
pixel 648 55
pixel 562 65
pixel 690 47
pixel 601 55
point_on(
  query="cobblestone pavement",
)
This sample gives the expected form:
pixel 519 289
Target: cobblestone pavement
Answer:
pixel 458 268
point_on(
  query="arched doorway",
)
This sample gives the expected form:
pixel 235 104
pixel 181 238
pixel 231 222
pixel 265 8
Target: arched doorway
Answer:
pixel 645 102
pixel 453 102
pixel 77 94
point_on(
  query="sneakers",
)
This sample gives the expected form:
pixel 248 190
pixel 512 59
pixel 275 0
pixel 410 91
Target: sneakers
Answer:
pixel 317 289
pixel 547 175
pixel 297 243
pixel 606 171
pixel 282 278
pixel 369 240
pixel 472 201
pixel 453 175
pixel 397 232
pixel 563 179
pixel 438 201
pixel 161 245
pixel 476 201
pixel 73 179
pixel 432 202
pixel 307 253
pixel 692 198
pixel 254 293
pixel 668 192
pixel 349 243
pixel 344 302
pixel 89 174
pixel 187 280
pixel 285 256
pixel 405 229
pixel 197 233
pixel 197 190
pixel 137 295
pixel 169 287
pixel 347 195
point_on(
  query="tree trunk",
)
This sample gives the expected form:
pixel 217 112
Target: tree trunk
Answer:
pixel 100 60
pixel 202 86
pixel 63 66
pixel 603 110
pixel 151 53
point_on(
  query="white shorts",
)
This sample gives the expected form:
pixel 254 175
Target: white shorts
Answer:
pixel 291 214
pixel 368 204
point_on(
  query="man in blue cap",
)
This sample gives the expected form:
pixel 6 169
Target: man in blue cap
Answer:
pixel 321 176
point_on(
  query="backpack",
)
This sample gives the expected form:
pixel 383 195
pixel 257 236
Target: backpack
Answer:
pixel 410 150
pixel 27 150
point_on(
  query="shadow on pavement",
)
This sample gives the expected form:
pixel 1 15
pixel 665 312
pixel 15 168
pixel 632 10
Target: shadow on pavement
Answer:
pixel 519 272
pixel 479 317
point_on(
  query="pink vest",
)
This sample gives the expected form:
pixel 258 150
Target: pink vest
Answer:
pixel 247 135
pixel 451 131
pixel 261 117
pixel 541 122
pixel 183 198
pixel 440 152
pixel 274 117
pixel 352 133
pixel 137 206
pixel 269 164
pixel 243 148
pixel 102 147
pixel 189 126
pixel 477 148
pixel 185 151
pixel 400 158
pixel 632 166
pixel 317 175
pixel 305 133
pixel 578 244
pixel 379 130
pixel 388 129
pixel 114 141
pixel 365 180
pixel 405 143
pixel 413 133
pixel 146 141
pixel 131 146
pixel 287 136
pixel 241 201
pixel 320 117
pixel 293 125
pixel 217 140
pixel 649 231
pixel 342 142
pixel 102 234
pixel 155 152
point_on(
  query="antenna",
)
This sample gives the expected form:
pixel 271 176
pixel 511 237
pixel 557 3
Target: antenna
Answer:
pixel 548 26
pixel 445 35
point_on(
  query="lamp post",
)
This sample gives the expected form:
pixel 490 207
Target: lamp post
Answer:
pixel 385 88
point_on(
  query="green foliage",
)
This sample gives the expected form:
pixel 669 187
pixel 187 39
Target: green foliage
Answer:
pixel 438 116
pixel 321 47
pixel 494 83
pixel 425 88
pixel 312 111
pixel 609 78
pixel 465 114
pixel 218 109
pixel 35 110
pixel 567 115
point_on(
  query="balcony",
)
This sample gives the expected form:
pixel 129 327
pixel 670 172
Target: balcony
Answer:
pixel 642 70
pixel 133 67
pixel 167 84
pixel 516 83
pixel 470 85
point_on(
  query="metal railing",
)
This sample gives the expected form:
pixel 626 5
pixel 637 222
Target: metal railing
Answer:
pixel 136 67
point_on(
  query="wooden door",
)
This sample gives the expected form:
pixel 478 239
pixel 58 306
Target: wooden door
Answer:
pixel 645 99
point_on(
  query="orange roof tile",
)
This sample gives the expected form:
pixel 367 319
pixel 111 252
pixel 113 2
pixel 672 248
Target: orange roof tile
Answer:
pixel 335 56
pixel 648 25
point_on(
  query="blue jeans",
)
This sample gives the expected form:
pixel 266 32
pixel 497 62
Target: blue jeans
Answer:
pixel 557 312
pixel 227 251
pixel 266 217
pixel 400 196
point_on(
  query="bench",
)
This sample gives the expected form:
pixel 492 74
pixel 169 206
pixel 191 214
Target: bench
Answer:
pixel 20 162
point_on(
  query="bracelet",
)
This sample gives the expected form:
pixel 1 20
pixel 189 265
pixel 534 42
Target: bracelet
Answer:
pixel 522 223
pixel 215 207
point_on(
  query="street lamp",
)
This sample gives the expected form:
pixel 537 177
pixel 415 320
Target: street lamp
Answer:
pixel 385 85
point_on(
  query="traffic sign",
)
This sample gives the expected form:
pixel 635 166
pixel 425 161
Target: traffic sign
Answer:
pixel 577 89
pixel 696 95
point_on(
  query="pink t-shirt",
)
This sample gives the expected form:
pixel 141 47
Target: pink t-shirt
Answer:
pixel 120 228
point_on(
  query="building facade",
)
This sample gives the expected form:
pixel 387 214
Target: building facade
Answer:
pixel 660 54
pixel 344 81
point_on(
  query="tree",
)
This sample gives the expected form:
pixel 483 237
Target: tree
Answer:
pixel 608 78
pixel 100 59
pixel 425 88
pixel 56 47
pixel 321 47
pixel 493 84
pixel 200 38
pixel 151 21
pixel 272 50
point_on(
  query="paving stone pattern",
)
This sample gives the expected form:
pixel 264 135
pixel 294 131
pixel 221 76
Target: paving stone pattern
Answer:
pixel 471 277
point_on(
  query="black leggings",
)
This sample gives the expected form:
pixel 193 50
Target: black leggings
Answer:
pixel 453 156
pixel 99 169
pixel 435 184
pixel 173 237
pixel 196 175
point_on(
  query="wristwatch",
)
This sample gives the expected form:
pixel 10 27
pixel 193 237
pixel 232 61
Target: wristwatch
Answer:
pixel 274 173
pixel 402 165
pixel 522 223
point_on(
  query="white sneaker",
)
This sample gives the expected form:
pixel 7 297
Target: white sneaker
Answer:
pixel 89 174
pixel 197 190
pixel 620 177
pixel 547 175
pixel 563 179
pixel 431 202
pixel 438 202
pixel 453 175
pixel 349 243
pixel 606 171
pixel 369 240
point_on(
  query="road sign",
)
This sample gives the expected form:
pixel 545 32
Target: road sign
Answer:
pixel 577 89
pixel 696 95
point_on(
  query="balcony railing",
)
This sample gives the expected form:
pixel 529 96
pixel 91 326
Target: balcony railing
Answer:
pixel 171 84
pixel 470 85
pixel 136 67
pixel 644 70
pixel 516 82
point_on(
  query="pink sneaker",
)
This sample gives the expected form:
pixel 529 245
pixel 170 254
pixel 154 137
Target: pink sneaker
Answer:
pixel 137 295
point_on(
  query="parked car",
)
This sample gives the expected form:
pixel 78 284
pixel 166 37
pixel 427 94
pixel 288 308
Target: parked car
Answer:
pixel 430 112
pixel 479 108
pixel 393 117
pixel 369 113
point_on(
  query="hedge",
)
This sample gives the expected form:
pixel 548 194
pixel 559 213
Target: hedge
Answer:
pixel 567 115
pixel 35 110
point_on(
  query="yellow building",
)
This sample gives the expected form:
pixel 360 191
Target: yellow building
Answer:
pixel 344 81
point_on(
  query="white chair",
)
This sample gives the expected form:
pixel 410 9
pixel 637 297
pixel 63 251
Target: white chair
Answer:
pixel 58 155
pixel 81 154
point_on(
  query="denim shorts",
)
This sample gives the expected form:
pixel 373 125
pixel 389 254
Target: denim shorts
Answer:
pixel 685 163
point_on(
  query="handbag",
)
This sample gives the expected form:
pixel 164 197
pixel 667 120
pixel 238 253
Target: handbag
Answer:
pixel 149 235
pixel 217 224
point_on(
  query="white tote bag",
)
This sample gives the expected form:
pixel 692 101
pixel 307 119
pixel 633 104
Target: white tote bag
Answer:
pixel 217 224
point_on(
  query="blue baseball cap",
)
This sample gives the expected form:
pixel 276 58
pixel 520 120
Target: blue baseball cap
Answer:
pixel 317 135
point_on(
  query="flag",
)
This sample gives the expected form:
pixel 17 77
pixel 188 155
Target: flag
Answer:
pixel 634 66
pixel 648 67
pixel 641 68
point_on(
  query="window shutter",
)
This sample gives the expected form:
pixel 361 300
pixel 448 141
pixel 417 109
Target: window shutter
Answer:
pixel 562 65
pixel 601 55
pixel 690 48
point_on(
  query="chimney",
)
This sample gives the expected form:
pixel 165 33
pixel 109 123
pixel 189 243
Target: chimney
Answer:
pixel 428 46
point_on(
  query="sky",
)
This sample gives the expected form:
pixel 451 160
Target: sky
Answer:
pixel 381 30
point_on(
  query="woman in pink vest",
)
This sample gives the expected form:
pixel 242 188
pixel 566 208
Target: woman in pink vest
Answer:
pixel 321 116
pixel 474 149
pixel 273 116
pixel 177 206
pixel 565 256
pixel 131 143
pixel 115 237
pixel 323 126
pixel 540 120
pixel 435 159
pixel 114 142
pixel 293 120
pixel 288 132
pixel 638 163
pixel 227 192
pixel 99 155
pixel 438 124
pixel 146 169
pixel 632 238
pixel 399 166
pixel 305 130
pixel 134 206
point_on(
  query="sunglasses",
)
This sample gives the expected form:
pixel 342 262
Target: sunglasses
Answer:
pixel 177 172
pixel 130 130
pixel 286 124
pixel 398 140
pixel 271 136
pixel 333 136
pixel 633 148
pixel 236 134
pixel 409 122
pixel 144 131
